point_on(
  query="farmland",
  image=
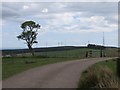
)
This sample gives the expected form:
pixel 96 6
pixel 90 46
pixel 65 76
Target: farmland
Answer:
pixel 65 51
pixel 23 61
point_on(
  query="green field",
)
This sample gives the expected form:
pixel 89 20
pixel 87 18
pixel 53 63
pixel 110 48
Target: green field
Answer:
pixel 14 65
pixel 76 53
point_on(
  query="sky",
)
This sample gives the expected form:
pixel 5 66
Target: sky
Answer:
pixel 62 23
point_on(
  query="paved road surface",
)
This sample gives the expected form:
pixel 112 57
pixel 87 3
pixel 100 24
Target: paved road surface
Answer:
pixel 59 75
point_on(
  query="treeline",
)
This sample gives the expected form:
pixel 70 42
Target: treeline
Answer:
pixel 93 46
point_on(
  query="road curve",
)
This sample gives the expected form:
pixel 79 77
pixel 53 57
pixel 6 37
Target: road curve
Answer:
pixel 59 75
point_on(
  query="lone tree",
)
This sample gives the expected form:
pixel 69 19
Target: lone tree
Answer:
pixel 29 34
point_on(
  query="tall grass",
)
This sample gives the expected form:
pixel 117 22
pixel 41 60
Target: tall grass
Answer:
pixel 101 77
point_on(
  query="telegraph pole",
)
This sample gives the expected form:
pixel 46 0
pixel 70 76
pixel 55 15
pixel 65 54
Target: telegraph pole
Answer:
pixel 58 44
pixel 103 39
pixel 103 45
pixel 46 48
pixel 46 44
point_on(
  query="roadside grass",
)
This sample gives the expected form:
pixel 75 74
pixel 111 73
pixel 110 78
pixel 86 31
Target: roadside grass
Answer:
pixel 14 65
pixel 109 63
pixel 100 75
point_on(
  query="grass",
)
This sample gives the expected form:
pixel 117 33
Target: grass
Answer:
pixel 76 53
pixel 14 65
pixel 109 63
pixel 100 75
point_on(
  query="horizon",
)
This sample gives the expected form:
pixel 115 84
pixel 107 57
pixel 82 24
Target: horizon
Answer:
pixel 53 47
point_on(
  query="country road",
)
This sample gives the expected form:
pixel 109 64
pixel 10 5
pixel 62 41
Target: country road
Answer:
pixel 59 75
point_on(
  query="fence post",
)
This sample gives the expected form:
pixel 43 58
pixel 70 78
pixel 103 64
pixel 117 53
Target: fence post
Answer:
pixel 101 53
pixel 86 54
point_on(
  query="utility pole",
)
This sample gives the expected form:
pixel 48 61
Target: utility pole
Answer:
pixel 103 39
pixel 61 43
pixel 46 48
pixel 103 45
pixel 58 44
pixel 46 44
pixel 88 42
pixel 65 43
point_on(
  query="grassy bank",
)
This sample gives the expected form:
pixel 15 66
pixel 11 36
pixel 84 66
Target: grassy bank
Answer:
pixel 100 75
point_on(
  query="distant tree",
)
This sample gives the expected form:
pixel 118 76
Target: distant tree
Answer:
pixel 29 34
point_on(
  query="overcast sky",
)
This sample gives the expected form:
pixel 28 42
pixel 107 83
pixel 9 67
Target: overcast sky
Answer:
pixel 65 23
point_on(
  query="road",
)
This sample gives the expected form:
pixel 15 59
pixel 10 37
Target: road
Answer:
pixel 59 75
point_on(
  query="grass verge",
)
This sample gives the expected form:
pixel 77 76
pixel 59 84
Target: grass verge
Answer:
pixel 100 75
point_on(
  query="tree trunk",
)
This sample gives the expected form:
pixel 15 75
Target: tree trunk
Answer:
pixel 31 49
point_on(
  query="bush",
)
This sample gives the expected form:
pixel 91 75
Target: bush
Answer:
pixel 101 77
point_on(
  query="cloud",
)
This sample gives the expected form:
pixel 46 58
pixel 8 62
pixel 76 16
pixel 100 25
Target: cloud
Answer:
pixel 60 1
pixel 45 10
pixel 55 7
pixel 25 7
pixel 65 17
pixel 7 13
pixel 76 23
pixel 1 23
